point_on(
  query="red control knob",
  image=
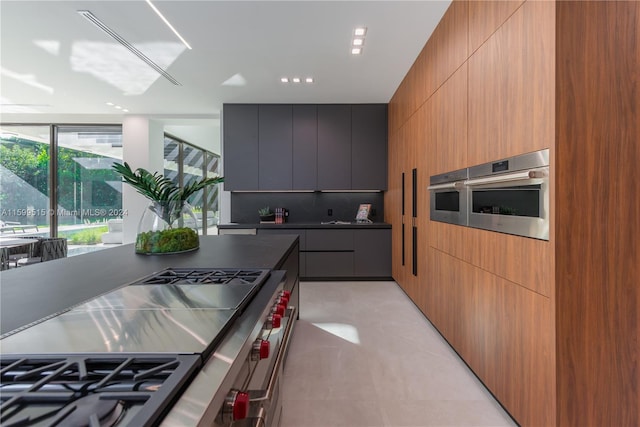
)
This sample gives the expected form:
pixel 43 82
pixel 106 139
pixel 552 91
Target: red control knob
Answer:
pixel 284 301
pixel 264 349
pixel 260 350
pixel 241 406
pixel 275 321
pixel 279 309
pixel 286 294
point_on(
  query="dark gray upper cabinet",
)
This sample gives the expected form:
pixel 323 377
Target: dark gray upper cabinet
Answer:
pixel 275 146
pixel 240 138
pixel 334 147
pixel 305 147
pixel 369 147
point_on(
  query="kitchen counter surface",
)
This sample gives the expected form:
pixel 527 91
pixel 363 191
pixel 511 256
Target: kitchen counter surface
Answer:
pixel 299 225
pixel 28 294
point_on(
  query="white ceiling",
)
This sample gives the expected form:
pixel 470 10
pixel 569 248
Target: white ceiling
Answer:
pixel 54 62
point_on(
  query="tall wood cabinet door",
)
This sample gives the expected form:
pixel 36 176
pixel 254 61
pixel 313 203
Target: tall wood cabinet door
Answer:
pixel 511 90
pixel 369 147
pixel 305 147
pixel 275 136
pixel 334 147
pixel 240 143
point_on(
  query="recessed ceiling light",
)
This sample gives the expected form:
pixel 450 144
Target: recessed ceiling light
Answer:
pixel 360 31
pixel 118 107
pixel 296 79
pixel 284 80
pixel 358 42
pixel 309 80
pixel 110 104
pixel 356 51
pixel 125 110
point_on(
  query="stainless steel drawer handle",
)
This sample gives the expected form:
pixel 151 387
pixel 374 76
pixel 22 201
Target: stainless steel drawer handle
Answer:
pixel 268 393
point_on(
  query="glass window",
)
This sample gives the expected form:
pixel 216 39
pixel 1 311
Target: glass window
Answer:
pixel 89 192
pixel 24 173
pixel 184 164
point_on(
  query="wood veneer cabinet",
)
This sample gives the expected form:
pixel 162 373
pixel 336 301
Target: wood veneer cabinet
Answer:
pixel 511 87
pixel 486 16
pixel 598 227
pixel 450 123
pixel 551 327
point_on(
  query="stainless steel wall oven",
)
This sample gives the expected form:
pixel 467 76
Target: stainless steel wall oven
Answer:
pixel 511 195
pixel 448 197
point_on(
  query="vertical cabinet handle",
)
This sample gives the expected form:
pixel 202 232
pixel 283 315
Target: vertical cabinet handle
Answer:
pixel 414 234
pixel 403 231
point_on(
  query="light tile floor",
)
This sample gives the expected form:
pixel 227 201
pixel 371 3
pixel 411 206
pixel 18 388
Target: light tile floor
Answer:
pixel 364 355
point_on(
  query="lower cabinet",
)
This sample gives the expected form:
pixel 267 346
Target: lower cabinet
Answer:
pixel 343 253
pixel 327 264
pixel 372 253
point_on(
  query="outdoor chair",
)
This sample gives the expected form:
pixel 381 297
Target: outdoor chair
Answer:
pixel 46 250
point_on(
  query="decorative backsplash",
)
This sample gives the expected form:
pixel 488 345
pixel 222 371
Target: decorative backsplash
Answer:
pixel 306 207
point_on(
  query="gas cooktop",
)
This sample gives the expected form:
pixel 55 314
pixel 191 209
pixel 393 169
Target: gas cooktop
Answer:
pixel 121 359
pixel 91 390
pixel 205 276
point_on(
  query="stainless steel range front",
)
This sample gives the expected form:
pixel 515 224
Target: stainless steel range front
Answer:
pixel 180 347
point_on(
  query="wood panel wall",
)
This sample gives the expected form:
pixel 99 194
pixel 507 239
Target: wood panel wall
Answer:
pixel 552 328
pixel 598 213
pixel 489 294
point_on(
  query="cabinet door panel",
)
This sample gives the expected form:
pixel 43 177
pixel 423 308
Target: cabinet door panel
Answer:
pixel 275 135
pixel 512 87
pixel 240 135
pixel 372 253
pixel 330 240
pixel 369 147
pixel 302 235
pixel 334 147
pixel 305 147
pixel 329 264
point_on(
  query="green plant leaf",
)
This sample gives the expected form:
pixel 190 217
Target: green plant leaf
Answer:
pixel 158 188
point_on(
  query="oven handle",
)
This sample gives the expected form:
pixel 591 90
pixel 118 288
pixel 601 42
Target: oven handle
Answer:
pixel 509 177
pixel 447 186
pixel 268 393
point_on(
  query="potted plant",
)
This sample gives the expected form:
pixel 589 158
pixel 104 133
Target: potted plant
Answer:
pixel 266 215
pixel 168 225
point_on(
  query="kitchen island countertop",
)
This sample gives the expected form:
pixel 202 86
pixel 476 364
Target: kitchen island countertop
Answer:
pixel 30 293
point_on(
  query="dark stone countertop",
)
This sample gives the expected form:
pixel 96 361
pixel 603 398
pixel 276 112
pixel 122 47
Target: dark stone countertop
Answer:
pixel 304 225
pixel 33 292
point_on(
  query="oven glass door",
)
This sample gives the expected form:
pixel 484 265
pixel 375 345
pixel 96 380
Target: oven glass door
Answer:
pixel 518 208
pixel 449 205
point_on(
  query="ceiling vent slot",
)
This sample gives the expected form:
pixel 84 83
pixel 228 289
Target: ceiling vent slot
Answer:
pixel 117 37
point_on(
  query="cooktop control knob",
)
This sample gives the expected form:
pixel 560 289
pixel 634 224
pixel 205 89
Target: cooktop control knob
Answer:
pixel 273 321
pixel 236 406
pixel 260 350
pixel 284 300
pixel 279 309
pixel 286 294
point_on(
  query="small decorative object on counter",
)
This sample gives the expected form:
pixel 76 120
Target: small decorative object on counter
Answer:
pixel 168 225
pixel 281 215
pixel 362 216
pixel 266 215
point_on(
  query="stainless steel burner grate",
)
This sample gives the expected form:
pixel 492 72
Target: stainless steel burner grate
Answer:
pixel 205 276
